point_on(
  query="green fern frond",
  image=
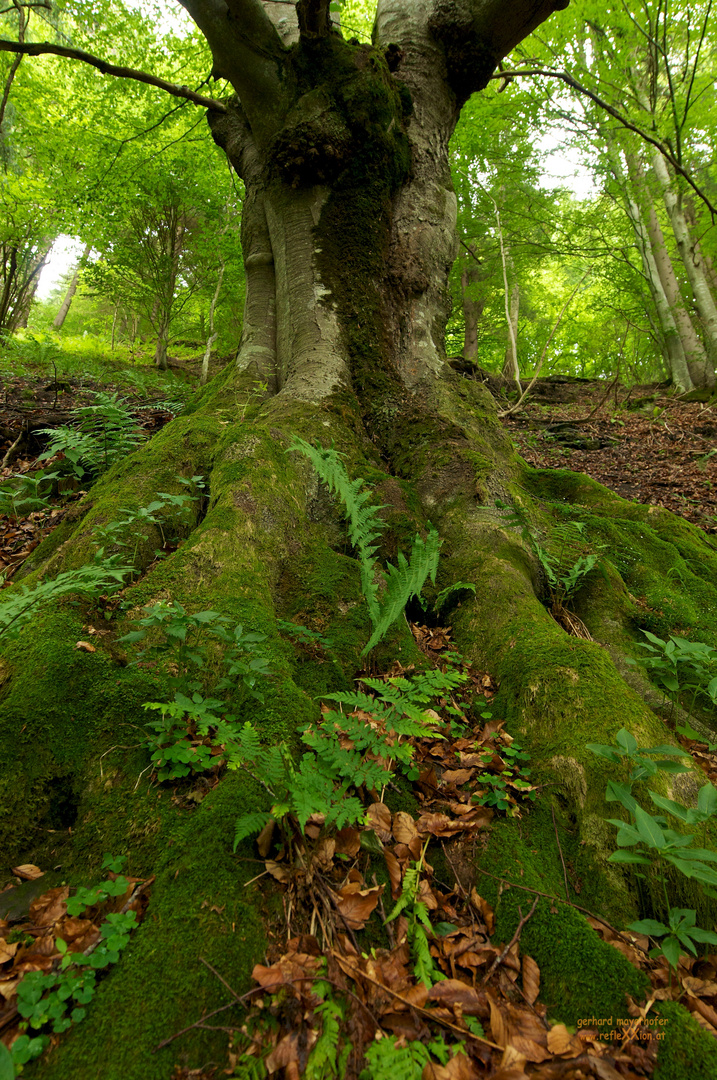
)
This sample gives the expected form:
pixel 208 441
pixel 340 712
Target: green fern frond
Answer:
pixel 406 581
pixel 249 824
pixel 364 524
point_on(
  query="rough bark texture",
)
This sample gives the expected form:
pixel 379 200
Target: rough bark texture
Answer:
pixel 342 344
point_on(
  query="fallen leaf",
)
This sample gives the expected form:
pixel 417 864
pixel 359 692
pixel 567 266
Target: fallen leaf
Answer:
pixel 454 992
pixel 394 873
pixel 531 980
pixel 378 818
pixel 277 870
pixel 458 1068
pixel 561 1042
pixel 404 827
pixel 50 907
pixel 85 646
pixel 483 907
pixel 356 904
pixel 263 840
pixel 348 841
pixel 27 871
pixel 7 951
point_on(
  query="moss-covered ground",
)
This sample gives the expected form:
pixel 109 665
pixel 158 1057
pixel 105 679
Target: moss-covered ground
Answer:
pixel 271 545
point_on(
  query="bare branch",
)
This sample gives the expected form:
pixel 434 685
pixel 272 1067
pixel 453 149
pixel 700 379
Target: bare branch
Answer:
pixel 575 85
pixel 40 48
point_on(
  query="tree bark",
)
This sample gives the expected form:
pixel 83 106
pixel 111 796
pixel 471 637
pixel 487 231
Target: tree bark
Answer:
pixel 59 319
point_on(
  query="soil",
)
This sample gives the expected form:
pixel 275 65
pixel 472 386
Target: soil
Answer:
pixel 642 444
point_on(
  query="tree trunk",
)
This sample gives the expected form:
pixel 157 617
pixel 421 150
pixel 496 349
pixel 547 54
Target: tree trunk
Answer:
pixel 59 319
pixel 347 250
pixel 672 342
pixel 472 308
pixel 694 267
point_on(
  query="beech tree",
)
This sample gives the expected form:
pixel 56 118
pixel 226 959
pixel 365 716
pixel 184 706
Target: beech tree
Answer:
pixel 348 235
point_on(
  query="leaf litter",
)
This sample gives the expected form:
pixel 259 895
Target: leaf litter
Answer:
pixel 322 989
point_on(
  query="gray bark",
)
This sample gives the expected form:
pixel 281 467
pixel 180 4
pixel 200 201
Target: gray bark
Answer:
pixel 59 319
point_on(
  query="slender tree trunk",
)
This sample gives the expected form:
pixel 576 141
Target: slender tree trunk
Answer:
pixel 59 319
pixel 672 342
pixel 694 267
pixel 472 308
pixel 212 335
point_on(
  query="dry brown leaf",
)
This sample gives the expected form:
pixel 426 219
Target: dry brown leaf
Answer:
pixel 602 1069
pixel 457 776
pixel 263 840
pixel 562 1043
pixel 348 841
pixel 529 1049
pixel 497 1024
pixel 483 907
pixel 404 827
pixel 278 870
pixel 531 980
pixel 27 871
pixel 458 1068
pixel 394 873
pixel 453 992
pixel 286 1051
pixel 7 951
pixel 378 818
pixel 85 646
pixel 356 904
pixel 50 907
pixel 7 987
pixel 438 825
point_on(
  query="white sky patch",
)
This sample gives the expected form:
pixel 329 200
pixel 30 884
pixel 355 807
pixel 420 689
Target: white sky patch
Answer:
pixel 65 254
pixel 564 166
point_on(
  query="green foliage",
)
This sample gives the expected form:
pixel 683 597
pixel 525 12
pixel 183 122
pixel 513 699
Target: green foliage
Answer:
pixel 405 1062
pixel 653 840
pixel 418 926
pixel 57 999
pixel 346 752
pixel 327 1059
pixel 681 933
pixel 513 777
pixel 7 1068
pixel 22 494
pixel 188 735
pixel 364 527
pixel 91 581
pixel 168 512
pixel 103 433
pixel 681 666
pixel 566 565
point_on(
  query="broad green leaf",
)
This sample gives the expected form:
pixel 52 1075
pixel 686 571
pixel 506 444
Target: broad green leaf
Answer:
pixel 707 799
pixel 676 809
pixel 650 832
pixel 629 857
pixel 627 741
pixel 649 926
pixel 7 1069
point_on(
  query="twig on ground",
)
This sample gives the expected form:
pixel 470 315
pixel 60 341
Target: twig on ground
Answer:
pixel 515 938
pixel 560 852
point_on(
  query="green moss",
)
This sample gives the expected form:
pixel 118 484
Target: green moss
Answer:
pixel 581 975
pixel 687 1050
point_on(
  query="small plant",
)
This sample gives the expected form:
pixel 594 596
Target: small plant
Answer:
pixel 681 666
pixel 23 494
pixel 347 753
pixel 91 581
pixel 513 778
pixel 681 933
pixel 419 925
pixel 102 434
pixel 566 565
pixel 168 512
pixel 364 527
pixel 57 999
pixel 646 839
pixel 190 737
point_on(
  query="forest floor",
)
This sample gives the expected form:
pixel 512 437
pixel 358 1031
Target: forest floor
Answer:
pixel 653 449
pixel 656 449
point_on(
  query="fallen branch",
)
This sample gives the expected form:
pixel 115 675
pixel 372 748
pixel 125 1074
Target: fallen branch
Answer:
pixel 515 938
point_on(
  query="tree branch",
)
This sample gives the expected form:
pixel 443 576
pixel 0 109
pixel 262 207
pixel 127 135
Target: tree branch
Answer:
pixel 575 85
pixel 40 48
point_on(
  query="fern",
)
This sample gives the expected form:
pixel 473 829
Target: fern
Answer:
pixel 326 1060
pixel 364 524
pixel 249 824
pixel 386 1058
pixel 404 582
pixel 364 528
